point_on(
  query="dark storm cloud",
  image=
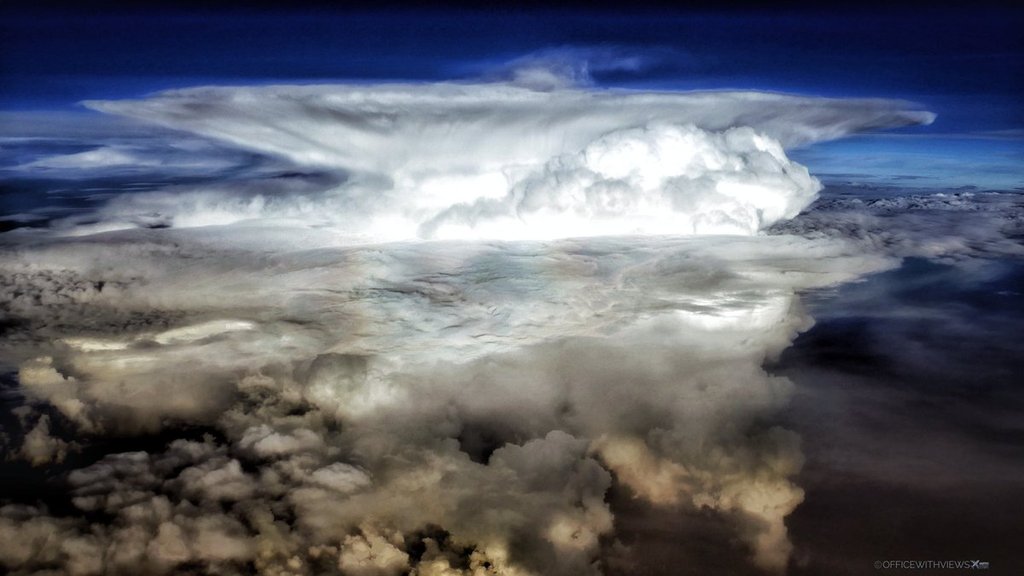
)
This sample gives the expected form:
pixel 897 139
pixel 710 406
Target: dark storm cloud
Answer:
pixel 346 407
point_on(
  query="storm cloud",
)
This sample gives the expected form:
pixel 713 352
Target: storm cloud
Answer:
pixel 500 306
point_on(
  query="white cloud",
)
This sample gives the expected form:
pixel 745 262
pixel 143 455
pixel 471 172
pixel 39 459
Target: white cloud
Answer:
pixel 186 157
pixel 500 161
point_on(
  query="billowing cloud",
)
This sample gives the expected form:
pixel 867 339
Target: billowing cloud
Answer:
pixel 40 447
pixel 503 161
pixel 476 401
pixel 326 405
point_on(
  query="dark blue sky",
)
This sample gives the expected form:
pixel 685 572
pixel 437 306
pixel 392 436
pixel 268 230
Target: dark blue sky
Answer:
pixel 965 64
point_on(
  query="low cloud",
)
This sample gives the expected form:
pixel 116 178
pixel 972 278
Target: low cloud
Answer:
pixel 443 408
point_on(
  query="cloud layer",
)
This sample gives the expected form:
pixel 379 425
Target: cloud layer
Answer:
pixel 442 408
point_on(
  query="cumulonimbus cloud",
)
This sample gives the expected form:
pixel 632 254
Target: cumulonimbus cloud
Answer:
pixel 431 408
pixel 502 161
